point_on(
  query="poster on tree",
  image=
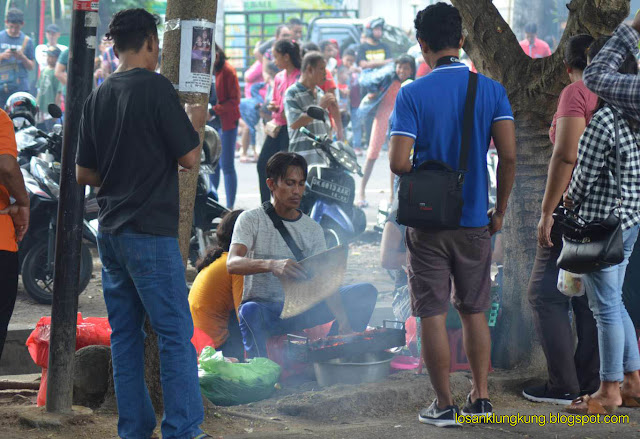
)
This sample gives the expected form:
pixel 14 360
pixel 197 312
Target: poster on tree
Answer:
pixel 197 55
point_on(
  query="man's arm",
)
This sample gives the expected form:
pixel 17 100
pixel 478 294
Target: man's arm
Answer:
pixel 373 64
pixel 61 73
pixel 504 137
pixel 88 177
pixel 399 153
pixel 11 178
pixel 602 77
pixel 239 263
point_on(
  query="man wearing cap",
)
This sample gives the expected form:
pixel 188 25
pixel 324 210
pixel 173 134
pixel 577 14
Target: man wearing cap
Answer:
pixel 533 46
pixel 52 32
pixel 49 89
pixel 17 56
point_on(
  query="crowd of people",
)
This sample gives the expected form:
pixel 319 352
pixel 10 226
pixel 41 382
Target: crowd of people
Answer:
pixel 447 119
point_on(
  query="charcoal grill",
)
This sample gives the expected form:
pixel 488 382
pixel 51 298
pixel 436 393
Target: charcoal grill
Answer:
pixel 340 346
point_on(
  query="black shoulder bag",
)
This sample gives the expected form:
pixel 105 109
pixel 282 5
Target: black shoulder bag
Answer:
pixel 279 225
pixel 589 247
pixel 430 197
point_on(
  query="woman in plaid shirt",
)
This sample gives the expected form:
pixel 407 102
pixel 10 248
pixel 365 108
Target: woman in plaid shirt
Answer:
pixel 593 190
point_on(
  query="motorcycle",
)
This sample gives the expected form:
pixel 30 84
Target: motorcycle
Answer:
pixel 207 210
pixel 330 189
pixel 40 168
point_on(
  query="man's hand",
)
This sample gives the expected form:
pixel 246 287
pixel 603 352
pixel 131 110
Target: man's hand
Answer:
pixel 327 100
pixel 20 217
pixel 288 268
pixel 568 202
pixel 5 55
pixel 544 231
pixel 636 21
pixel 272 106
pixel 495 221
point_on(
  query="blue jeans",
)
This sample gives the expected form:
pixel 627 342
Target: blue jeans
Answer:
pixel 227 165
pixel 143 275
pixel 250 114
pixel 616 335
pixel 260 319
pixel 356 127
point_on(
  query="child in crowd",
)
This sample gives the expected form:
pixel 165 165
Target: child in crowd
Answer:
pixel 49 89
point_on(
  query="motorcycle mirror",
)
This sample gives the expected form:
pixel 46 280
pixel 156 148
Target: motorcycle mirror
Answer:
pixel 54 111
pixel 315 112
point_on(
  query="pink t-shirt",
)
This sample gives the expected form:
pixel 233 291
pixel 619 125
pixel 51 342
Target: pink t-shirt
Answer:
pixel 539 49
pixel 281 83
pixel 576 100
pixel 252 76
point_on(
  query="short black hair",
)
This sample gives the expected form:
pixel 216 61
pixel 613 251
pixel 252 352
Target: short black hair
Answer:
pixel 324 44
pixel 280 28
pixel 279 164
pixel 595 47
pixel 293 21
pixel 311 59
pixel 440 26
pixel 309 46
pixel 349 52
pixel 14 15
pixel 575 51
pixel 408 59
pixel 531 28
pixel 220 59
pixel 130 28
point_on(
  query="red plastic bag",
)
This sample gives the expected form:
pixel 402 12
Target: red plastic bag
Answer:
pixel 90 331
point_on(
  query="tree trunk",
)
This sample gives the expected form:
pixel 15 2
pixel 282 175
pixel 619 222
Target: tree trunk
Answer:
pixel 533 87
pixel 178 10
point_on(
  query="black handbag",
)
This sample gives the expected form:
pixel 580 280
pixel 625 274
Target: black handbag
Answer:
pixel 430 197
pixel 589 247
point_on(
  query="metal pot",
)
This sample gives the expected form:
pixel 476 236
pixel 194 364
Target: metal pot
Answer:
pixel 363 368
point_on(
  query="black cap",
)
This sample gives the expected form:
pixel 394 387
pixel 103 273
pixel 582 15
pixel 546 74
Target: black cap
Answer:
pixel 53 28
pixel 15 16
pixel 53 51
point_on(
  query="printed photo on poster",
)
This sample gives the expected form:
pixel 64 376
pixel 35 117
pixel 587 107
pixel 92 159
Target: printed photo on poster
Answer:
pixel 201 53
pixel 196 56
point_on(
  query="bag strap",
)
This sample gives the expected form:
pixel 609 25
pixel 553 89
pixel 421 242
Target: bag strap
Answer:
pixel 617 147
pixel 279 225
pixel 467 123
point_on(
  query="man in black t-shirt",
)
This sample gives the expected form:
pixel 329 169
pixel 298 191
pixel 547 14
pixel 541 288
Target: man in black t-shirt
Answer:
pixel 133 134
pixel 373 53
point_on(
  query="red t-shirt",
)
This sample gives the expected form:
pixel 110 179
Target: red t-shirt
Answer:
pixel 329 83
pixel 576 100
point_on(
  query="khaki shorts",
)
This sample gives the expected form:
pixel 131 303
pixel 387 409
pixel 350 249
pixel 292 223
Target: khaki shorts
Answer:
pixel 438 257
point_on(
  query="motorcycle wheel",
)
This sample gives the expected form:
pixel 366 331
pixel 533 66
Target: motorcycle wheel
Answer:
pixel 334 237
pixel 38 281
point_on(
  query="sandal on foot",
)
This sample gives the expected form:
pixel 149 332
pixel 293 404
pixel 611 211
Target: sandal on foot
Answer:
pixel 630 401
pixel 362 204
pixel 586 405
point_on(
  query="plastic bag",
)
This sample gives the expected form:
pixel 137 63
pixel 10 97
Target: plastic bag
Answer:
pixel 89 331
pixel 570 284
pixel 225 383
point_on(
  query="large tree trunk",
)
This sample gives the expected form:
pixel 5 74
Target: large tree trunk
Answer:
pixel 182 10
pixel 533 87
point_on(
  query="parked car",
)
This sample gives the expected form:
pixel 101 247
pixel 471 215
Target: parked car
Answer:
pixel 347 32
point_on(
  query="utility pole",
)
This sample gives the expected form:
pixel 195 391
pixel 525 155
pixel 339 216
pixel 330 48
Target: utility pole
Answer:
pixel 181 15
pixel 64 308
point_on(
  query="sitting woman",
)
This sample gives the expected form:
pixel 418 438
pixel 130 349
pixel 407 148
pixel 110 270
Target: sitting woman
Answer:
pixel 215 296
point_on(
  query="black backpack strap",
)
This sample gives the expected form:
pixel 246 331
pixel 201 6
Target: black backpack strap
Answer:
pixel 279 225
pixel 467 122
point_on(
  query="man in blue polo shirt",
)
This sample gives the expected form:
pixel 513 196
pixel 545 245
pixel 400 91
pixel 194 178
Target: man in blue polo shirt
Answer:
pixel 429 115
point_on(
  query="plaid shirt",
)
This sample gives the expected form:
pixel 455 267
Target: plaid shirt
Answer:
pixel 602 77
pixel 593 184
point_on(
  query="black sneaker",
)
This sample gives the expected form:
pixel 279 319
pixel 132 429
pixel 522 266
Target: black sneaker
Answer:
pixel 440 418
pixel 482 408
pixel 543 394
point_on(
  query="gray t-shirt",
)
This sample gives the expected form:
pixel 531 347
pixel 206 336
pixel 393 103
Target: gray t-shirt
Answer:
pixel 255 230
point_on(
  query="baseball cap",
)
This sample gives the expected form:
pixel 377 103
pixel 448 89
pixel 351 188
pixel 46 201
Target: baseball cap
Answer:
pixel 53 51
pixel 15 16
pixel 53 28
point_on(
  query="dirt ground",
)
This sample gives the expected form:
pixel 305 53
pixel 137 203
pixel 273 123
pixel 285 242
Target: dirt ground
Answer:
pixel 363 266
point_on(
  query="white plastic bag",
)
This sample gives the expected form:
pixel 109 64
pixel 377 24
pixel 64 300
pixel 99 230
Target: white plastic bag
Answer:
pixel 570 284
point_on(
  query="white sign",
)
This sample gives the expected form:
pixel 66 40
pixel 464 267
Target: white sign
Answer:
pixel 197 55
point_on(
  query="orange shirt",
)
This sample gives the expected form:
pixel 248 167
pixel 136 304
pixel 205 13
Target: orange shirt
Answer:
pixel 7 146
pixel 215 293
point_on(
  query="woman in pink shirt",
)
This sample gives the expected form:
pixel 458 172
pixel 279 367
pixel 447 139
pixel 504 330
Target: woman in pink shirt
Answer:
pixel 572 370
pixel 288 58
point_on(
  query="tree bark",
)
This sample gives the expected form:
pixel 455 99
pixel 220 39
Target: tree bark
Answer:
pixel 182 10
pixel 533 87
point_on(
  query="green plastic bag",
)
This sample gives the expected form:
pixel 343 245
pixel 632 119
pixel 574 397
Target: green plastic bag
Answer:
pixel 236 383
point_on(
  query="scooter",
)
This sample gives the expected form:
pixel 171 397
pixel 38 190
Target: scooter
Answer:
pixel 330 189
pixel 207 210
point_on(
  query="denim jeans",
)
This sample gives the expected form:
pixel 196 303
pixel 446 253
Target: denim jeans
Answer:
pixel 227 165
pixel 356 127
pixel 616 335
pixel 260 319
pixel 143 275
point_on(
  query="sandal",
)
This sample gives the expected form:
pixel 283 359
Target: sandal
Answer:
pixel 586 405
pixel 630 401
pixel 362 204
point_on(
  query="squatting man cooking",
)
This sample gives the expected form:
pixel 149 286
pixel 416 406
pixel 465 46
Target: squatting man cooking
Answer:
pixel 260 253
